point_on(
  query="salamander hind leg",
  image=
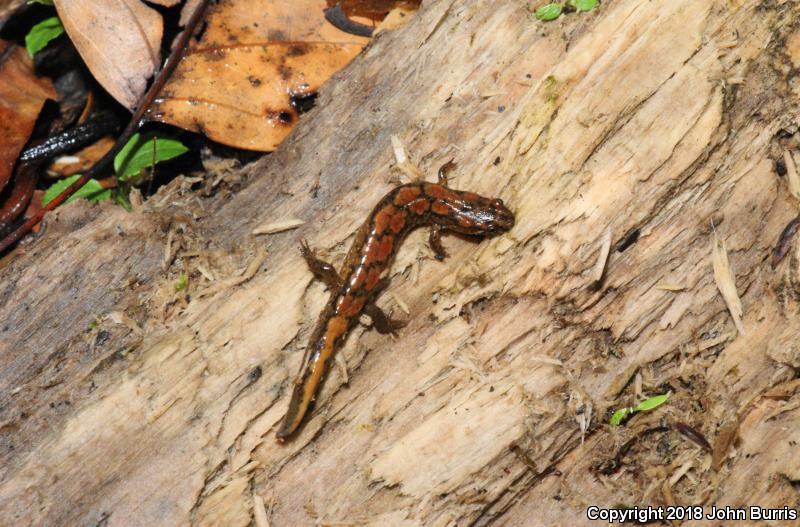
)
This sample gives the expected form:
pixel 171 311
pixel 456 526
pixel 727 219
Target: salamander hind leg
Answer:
pixel 382 322
pixel 435 241
pixel 322 270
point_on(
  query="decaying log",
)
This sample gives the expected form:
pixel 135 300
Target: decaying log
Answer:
pixel 124 401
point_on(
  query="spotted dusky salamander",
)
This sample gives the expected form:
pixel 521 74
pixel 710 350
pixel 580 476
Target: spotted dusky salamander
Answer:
pixel 362 278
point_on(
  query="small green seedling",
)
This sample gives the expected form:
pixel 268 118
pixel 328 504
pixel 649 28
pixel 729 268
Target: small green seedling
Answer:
pixel 92 190
pixel 549 12
pixel 182 282
pixel 583 5
pixel 42 33
pixel 141 152
pixel 137 154
pixel 644 406
pixel 554 10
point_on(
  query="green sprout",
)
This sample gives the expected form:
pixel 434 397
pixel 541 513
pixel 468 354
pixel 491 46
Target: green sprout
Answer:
pixel 182 282
pixel 645 406
pixel 42 33
pixel 554 10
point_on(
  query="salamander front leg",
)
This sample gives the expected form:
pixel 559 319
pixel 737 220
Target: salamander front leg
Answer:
pixel 443 171
pixel 435 237
pixel 435 240
pixel 382 322
pixel 322 270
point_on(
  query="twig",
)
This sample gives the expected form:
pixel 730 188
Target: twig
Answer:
pixel 136 121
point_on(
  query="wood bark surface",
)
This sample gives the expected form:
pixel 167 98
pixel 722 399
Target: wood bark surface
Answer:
pixel 126 402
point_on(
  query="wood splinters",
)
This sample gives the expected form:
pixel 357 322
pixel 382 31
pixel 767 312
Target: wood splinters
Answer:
pixel 403 163
pixel 341 365
pixel 227 283
pixel 792 178
pixel 278 226
pixel 602 261
pixel 682 471
pixel 670 287
pixel 168 255
pixel 726 283
pixel 259 511
pixel 399 301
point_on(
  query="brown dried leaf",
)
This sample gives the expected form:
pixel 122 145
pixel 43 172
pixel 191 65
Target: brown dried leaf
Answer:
pixel 374 9
pixel 726 437
pixel 236 85
pixel 81 160
pixel 22 95
pixel 119 40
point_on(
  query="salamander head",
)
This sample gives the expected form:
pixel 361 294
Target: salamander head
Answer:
pixel 477 216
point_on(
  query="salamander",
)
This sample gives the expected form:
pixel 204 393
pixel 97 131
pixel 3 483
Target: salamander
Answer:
pixel 402 210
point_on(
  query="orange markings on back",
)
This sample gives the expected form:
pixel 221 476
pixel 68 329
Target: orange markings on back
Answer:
pixel 470 197
pixel 440 208
pixel 370 250
pixel 398 222
pixel 385 246
pixel 435 191
pixel 419 206
pixel 382 218
pixel 373 278
pixel 440 192
pixel 406 195
pixel 350 305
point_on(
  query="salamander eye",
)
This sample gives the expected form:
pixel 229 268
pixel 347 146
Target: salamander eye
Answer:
pixel 498 203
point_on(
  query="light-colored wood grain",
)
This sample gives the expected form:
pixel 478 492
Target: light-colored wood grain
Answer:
pixel 660 118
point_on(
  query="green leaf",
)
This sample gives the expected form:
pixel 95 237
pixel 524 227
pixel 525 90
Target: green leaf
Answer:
pixel 583 5
pixel 43 2
pixel 182 281
pixel 42 33
pixel 92 190
pixel 138 154
pixel 651 403
pixel 644 406
pixel 548 12
pixel 619 415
